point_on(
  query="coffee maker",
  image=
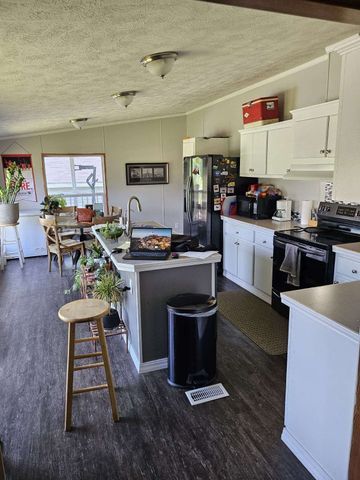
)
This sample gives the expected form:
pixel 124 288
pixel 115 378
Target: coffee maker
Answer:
pixel 283 211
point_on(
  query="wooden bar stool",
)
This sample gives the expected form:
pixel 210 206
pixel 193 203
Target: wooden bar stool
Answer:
pixel 4 242
pixel 81 311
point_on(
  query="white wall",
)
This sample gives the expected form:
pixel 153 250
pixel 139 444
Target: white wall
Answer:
pixel 147 141
pixel 300 88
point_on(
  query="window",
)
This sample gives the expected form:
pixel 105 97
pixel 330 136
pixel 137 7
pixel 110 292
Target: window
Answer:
pixel 78 178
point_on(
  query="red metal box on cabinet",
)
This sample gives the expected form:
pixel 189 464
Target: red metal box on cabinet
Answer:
pixel 260 111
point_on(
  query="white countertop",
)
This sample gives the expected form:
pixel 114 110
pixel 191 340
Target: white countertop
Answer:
pixel 339 303
pixel 268 223
pixel 147 265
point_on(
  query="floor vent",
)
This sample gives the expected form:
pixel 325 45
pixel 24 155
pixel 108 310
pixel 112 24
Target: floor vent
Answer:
pixel 206 394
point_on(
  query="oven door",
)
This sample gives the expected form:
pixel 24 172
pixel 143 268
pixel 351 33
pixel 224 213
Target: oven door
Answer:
pixel 316 269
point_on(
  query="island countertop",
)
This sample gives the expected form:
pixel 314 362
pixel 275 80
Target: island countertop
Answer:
pixel 339 303
pixel 146 265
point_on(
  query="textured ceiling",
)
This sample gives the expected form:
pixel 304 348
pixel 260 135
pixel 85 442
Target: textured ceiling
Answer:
pixel 62 59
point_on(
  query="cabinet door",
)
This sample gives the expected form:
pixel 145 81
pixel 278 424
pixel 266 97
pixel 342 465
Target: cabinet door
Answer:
pixel 246 142
pixel 245 261
pixel 331 141
pixel 263 269
pixel 230 253
pixel 279 150
pixel 310 139
pixel 259 153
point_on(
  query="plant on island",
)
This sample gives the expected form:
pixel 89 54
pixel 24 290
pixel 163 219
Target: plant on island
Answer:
pixel 111 231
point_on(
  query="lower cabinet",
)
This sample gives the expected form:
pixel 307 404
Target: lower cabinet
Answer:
pixel 263 269
pixel 248 256
pixel 347 266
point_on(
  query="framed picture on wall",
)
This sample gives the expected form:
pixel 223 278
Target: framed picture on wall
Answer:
pixel 22 160
pixel 147 173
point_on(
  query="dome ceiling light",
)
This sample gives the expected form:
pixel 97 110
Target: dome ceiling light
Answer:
pixel 124 98
pixel 78 123
pixel 159 64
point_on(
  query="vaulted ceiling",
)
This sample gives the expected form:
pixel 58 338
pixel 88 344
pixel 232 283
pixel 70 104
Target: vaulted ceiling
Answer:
pixel 63 59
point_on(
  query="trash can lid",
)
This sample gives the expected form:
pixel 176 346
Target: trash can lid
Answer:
pixel 191 303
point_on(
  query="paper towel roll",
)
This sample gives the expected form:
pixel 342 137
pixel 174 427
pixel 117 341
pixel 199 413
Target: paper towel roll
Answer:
pixel 305 211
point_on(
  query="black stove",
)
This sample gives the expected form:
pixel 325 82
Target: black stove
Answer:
pixel 338 223
pixel 319 237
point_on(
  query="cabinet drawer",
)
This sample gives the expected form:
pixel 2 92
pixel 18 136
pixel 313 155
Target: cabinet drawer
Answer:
pixel 240 231
pixel 347 267
pixel 264 239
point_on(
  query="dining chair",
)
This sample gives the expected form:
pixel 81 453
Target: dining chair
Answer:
pixel 116 211
pixel 58 246
pixel 67 212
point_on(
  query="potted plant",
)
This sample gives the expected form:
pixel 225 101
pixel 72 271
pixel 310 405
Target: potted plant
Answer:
pixel 108 287
pixel 51 204
pixel 111 231
pixel 9 209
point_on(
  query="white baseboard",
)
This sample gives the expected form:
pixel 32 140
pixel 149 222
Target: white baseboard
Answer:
pixel 246 286
pixel 145 367
pixel 154 365
pixel 304 456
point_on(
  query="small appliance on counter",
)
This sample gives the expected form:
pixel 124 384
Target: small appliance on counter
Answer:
pixel 283 211
pixel 259 202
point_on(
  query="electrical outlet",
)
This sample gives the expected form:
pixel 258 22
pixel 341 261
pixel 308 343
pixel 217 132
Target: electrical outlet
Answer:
pixel 176 227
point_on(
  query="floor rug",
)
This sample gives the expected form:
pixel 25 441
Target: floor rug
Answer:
pixel 256 319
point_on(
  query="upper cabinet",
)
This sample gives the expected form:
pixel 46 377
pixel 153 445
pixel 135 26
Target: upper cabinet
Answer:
pixel 315 130
pixel 253 150
pixel 205 146
pixel 266 150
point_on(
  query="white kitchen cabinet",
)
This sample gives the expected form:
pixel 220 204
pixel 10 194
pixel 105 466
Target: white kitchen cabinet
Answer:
pixel 245 261
pixel 347 263
pixel 266 150
pixel 230 253
pixel 321 379
pixel 248 257
pixel 279 149
pixel 263 269
pixel 205 146
pixel 253 152
pixel 315 137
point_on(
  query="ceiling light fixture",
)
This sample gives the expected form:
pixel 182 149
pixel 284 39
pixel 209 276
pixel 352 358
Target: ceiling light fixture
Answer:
pixel 78 123
pixel 124 98
pixel 160 63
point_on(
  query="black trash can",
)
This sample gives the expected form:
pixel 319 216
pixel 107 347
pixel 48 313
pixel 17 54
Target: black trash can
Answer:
pixel 192 334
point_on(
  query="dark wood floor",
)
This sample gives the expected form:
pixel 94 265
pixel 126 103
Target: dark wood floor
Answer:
pixel 160 436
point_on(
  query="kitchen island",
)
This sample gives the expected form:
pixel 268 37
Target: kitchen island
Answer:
pixel 322 376
pixel 151 283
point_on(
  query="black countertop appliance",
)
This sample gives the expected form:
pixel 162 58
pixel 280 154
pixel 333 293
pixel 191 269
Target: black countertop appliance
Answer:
pixel 257 207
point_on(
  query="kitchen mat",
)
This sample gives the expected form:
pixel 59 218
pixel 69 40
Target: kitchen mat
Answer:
pixel 256 319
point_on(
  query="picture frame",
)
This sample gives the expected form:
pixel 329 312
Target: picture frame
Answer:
pixel 147 173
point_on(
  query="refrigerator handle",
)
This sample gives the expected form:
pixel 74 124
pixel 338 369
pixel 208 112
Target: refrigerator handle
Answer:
pixel 190 200
pixel 187 197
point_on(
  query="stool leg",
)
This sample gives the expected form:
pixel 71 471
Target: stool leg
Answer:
pixel 19 247
pixel 69 376
pixel 107 367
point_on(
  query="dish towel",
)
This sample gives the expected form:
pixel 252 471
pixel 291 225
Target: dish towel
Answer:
pixel 291 264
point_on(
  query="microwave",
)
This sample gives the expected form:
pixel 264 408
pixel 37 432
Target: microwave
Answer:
pixel 258 208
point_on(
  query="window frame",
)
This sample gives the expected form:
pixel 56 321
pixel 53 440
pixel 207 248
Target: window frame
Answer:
pixel 43 155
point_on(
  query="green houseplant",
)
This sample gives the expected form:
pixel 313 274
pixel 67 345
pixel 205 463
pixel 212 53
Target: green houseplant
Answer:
pixel 9 209
pixel 51 204
pixel 111 231
pixel 108 287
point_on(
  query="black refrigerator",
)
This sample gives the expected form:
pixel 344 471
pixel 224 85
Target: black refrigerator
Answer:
pixel 208 179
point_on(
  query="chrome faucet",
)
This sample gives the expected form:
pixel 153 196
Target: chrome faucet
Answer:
pixel 128 210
